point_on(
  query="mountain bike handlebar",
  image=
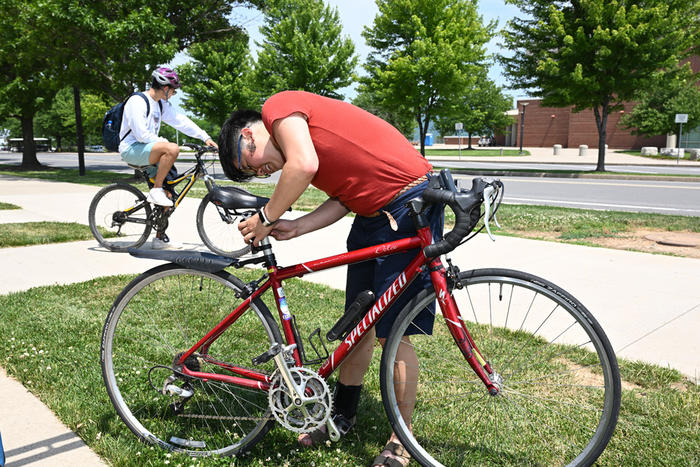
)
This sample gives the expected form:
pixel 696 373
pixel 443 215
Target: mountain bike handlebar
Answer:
pixel 466 206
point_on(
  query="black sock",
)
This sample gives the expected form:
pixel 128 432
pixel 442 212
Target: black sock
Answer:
pixel 346 399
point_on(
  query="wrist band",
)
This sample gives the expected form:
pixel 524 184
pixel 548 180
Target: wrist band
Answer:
pixel 266 222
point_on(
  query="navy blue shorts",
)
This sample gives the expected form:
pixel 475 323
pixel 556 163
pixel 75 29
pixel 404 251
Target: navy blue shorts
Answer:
pixel 378 274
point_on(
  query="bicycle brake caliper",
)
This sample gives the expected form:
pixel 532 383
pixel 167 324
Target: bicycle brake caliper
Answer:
pixel 452 274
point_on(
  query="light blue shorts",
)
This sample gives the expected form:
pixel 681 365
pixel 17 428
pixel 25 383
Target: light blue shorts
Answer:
pixel 139 154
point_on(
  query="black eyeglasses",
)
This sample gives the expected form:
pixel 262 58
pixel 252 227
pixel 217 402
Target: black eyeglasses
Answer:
pixel 247 171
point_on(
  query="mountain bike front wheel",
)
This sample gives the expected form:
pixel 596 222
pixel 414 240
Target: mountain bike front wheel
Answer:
pixel 559 382
pixel 119 217
pixel 156 318
pixel 218 229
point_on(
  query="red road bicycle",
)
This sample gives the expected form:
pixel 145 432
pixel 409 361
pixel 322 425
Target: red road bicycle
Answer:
pixel 516 370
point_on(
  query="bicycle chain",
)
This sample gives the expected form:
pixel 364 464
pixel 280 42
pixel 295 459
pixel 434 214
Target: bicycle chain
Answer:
pixel 221 417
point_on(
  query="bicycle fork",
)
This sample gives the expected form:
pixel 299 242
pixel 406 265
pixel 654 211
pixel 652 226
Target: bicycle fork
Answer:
pixel 459 332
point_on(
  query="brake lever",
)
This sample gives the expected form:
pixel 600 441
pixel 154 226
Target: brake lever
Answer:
pixel 488 199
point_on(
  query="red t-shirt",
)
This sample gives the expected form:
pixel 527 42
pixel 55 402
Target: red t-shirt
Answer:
pixel 363 160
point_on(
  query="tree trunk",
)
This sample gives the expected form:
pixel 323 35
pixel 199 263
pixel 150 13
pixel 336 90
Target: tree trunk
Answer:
pixel 601 119
pixel 79 131
pixel 421 134
pixel 469 135
pixel 29 160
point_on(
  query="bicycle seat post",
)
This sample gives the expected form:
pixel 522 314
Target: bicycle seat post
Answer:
pixel 266 248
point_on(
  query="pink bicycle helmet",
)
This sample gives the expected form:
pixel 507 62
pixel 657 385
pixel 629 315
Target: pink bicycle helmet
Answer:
pixel 166 77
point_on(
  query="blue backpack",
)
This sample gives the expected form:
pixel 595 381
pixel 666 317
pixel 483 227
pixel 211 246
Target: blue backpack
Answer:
pixel 112 122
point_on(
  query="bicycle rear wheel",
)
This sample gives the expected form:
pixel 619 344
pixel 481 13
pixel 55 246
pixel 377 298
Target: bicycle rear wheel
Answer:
pixel 218 229
pixel 118 217
pixel 153 321
pixel 559 381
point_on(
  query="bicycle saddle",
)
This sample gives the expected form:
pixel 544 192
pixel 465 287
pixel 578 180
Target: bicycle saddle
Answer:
pixel 236 198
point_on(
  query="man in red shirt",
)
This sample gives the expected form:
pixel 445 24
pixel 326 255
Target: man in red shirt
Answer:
pixel 366 166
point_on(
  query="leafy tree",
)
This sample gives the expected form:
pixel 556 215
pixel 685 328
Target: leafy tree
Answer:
pixel 54 121
pixel 112 47
pixel 303 49
pixel 26 85
pixel 58 121
pixel 426 51
pixel 166 131
pixel 106 47
pixel 671 92
pixel 597 54
pixel 481 110
pixel 216 81
pixel 402 121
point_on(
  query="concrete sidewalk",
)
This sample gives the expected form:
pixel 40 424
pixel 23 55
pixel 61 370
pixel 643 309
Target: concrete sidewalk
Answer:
pixel 631 294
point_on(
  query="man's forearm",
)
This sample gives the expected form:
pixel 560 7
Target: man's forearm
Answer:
pixel 292 183
pixel 326 214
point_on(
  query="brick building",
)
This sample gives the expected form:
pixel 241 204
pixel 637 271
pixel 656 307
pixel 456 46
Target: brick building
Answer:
pixel 547 126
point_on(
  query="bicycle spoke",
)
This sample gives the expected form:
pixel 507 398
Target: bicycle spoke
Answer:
pixel 547 362
pixel 171 310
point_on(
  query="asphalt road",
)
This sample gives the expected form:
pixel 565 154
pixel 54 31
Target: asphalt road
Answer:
pixel 665 197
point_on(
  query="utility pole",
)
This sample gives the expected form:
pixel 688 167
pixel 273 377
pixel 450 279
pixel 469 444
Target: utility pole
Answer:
pixel 522 125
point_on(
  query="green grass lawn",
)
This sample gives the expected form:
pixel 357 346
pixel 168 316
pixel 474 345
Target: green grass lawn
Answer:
pixel 474 152
pixel 573 224
pixel 8 206
pixel 567 224
pixel 91 177
pixel 39 233
pixel 51 344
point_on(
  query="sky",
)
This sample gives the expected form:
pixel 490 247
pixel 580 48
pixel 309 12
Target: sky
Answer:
pixel 356 14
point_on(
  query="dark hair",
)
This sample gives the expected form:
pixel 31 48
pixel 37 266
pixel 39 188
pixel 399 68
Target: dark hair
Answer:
pixel 156 85
pixel 228 142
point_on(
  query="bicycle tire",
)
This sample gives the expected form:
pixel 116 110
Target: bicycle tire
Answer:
pixel 159 315
pixel 111 225
pixel 219 235
pixel 560 394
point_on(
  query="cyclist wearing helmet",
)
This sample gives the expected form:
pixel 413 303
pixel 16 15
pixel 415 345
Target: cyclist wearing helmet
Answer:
pixel 140 143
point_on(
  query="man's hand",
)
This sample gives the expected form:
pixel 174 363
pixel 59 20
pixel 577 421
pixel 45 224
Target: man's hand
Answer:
pixel 253 229
pixel 285 230
pixel 210 142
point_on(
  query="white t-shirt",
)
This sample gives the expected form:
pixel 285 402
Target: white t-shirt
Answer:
pixel 144 129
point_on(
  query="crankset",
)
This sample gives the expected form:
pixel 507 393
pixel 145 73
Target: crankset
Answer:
pixel 300 414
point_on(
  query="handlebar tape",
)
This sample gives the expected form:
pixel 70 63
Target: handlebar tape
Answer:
pixel 462 204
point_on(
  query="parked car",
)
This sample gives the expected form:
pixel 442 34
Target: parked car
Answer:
pixel 485 141
pixel 95 148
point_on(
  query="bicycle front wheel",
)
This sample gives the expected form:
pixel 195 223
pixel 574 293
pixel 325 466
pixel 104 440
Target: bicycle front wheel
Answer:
pixel 119 217
pixel 558 377
pixel 218 229
pixel 157 317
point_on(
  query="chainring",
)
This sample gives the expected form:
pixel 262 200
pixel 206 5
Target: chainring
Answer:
pixel 311 413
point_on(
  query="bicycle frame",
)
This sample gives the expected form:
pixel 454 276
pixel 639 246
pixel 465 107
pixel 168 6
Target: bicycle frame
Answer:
pixel 255 380
pixel 191 175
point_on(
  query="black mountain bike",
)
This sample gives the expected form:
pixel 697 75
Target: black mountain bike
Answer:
pixel 120 217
